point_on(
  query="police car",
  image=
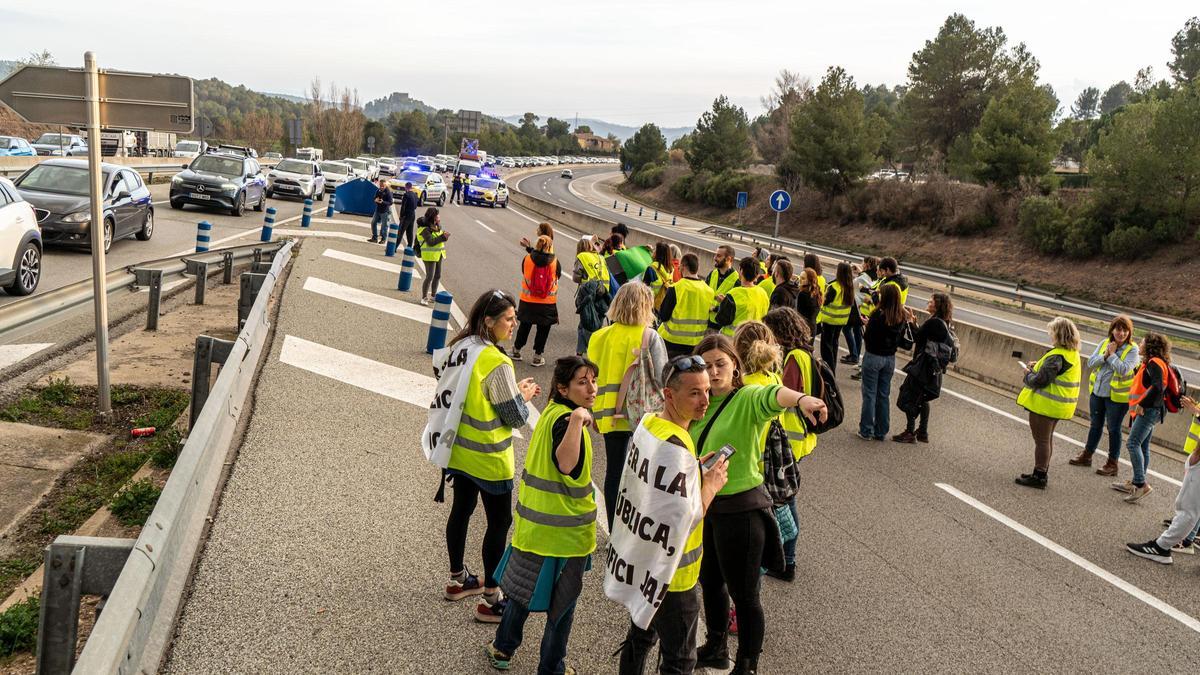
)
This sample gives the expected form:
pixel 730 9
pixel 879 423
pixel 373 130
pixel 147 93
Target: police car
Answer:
pixel 486 191
pixel 429 185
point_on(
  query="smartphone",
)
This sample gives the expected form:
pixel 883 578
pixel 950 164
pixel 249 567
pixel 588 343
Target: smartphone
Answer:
pixel 726 451
pixel 1017 355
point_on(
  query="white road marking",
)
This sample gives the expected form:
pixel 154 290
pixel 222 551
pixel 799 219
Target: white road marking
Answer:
pixel 485 226
pixel 369 300
pixel 368 262
pixel 352 223
pixel 518 213
pixel 1088 566
pixel 322 234
pixel 562 201
pixel 11 354
pixel 456 313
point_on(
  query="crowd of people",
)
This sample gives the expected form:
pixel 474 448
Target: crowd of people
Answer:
pixel 726 368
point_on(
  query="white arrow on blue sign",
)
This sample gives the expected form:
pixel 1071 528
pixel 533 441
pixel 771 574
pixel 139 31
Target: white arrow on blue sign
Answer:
pixel 780 200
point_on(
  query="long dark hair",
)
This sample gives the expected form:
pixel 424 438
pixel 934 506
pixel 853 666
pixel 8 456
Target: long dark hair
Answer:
pixel 489 305
pixel 890 306
pixel 431 216
pixel 811 260
pixel 845 278
pixel 662 255
pixel 564 371
pixel 718 341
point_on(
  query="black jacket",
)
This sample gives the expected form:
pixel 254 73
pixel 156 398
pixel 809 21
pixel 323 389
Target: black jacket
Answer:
pixel 383 201
pixel 409 204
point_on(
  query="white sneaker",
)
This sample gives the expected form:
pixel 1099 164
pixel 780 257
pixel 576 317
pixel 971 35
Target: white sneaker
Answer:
pixel 425 301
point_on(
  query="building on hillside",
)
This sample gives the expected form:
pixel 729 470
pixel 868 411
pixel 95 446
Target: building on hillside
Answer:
pixel 594 143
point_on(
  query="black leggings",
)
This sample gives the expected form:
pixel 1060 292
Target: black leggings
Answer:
pixel 406 232
pixel 733 546
pixel 433 274
pixel 616 444
pixel 923 413
pixel 829 349
pixel 497 508
pixel 539 339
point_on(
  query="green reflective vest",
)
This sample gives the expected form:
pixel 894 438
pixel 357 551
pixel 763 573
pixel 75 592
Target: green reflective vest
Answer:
pixel 431 252
pixel 483 444
pixel 556 514
pixel 750 303
pixel 689 319
pixel 1119 386
pixel 688 572
pixel 836 313
pixel 611 348
pixel 1059 398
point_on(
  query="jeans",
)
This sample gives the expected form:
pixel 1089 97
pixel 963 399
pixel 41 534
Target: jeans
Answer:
pixel 380 220
pixel 581 342
pixel 674 627
pixel 1139 443
pixel 876 388
pixel 454 195
pixel 1104 412
pixel 1187 509
pixel 829 344
pixel 789 546
pixel 539 339
pixel 616 444
pixel 554 637
pixel 854 338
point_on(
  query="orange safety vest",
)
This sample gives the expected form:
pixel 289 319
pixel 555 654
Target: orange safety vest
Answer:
pixel 527 295
pixel 1138 391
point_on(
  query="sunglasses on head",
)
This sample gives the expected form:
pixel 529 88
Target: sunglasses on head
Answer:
pixel 685 364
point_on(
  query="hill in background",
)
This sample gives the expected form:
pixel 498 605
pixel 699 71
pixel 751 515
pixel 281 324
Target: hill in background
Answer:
pixel 602 128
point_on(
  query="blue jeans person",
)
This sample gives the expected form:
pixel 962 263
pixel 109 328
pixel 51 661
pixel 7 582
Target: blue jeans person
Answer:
pixel 1104 412
pixel 876 388
pixel 554 638
pixel 1139 443
pixel 380 219
pixel 854 339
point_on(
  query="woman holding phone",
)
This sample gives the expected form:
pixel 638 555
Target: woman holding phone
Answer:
pixel 1050 394
pixel 740 532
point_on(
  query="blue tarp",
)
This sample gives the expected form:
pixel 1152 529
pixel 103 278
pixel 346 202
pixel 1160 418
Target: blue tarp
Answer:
pixel 356 197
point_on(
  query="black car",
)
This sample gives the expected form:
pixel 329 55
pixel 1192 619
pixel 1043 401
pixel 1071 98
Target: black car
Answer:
pixel 58 190
pixel 220 180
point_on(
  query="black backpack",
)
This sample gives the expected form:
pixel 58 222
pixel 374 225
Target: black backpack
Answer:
pixel 781 475
pixel 827 390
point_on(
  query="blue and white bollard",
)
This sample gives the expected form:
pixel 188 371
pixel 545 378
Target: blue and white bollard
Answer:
pixel 406 269
pixel 393 238
pixel 441 319
pixel 329 208
pixel 306 221
pixel 268 224
pixel 203 235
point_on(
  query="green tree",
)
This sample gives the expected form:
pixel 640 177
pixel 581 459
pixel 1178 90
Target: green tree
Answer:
pixel 647 146
pixel 833 142
pixel 583 129
pixel 1185 52
pixel 412 133
pixel 1015 139
pixel 556 128
pixel 529 132
pixel 1077 137
pixel 1115 97
pixel 721 140
pixel 384 143
pixel 1086 104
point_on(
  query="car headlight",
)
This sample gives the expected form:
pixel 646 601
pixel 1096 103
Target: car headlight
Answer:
pixel 78 217
pixel 305 181
pixel 228 186
pixel 176 180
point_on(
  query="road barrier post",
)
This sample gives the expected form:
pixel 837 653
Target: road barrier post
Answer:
pixel 626 207
pixel 201 269
pixel 640 211
pixel 203 235
pixel 441 318
pixel 672 220
pixel 227 267
pixel 329 209
pixel 393 236
pixel 614 203
pixel 656 215
pixel 268 224
pixel 306 221
pixel 406 269
pixel 155 299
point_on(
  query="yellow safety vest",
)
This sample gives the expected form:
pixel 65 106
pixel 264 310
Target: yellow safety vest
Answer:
pixel 822 283
pixel 556 514
pixel 836 313
pixel 1119 386
pixel 802 442
pixel 431 252
pixel 1059 398
pixel 903 291
pixel 664 279
pixel 768 286
pixel 1193 437
pixel 612 350
pixel 593 267
pixel 688 572
pixel 689 319
pixel 483 445
pixel 750 303
pixel 722 287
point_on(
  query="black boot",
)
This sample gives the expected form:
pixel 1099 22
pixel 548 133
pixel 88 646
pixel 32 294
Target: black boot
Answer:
pixel 745 667
pixel 713 653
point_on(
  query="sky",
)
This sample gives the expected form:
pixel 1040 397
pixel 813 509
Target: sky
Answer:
pixel 622 61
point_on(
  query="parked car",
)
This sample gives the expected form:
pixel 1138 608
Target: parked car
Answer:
pixel 486 191
pixel 361 169
pixel 220 180
pixel 240 150
pixel 335 174
pixel 13 146
pixel 272 155
pixel 20 242
pixel 387 166
pixel 372 166
pixel 58 190
pixel 296 178
pixel 429 186
pixel 60 145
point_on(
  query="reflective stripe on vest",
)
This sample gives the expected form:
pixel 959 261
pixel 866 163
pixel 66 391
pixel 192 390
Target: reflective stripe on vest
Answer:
pixel 800 439
pixel 593 267
pixel 483 443
pixel 688 572
pixel 836 313
pixel 1059 398
pixel 556 514
pixel 1193 436
pixel 750 303
pixel 612 349
pixel 1118 386
pixel 430 252
pixel 527 295
pixel 689 319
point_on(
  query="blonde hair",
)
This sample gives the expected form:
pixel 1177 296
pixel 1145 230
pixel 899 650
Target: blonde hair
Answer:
pixel 584 245
pixel 1063 333
pixel 756 347
pixel 544 244
pixel 633 305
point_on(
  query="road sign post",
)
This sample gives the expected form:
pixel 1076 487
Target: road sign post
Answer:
pixel 743 198
pixel 780 201
pixel 96 188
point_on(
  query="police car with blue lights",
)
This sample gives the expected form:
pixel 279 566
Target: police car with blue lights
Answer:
pixel 427 183
pixel 486 190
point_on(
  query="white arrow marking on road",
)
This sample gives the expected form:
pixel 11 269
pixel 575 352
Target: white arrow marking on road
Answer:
pixel 1185 619
pixel 368 262
pixel 485 226
pixel 369 300
pixel 11 354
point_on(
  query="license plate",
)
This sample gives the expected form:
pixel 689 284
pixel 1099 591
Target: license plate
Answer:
pixel 198 195
pixel 287 188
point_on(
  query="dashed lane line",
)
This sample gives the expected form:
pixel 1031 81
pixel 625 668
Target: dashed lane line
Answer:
pixel 369 300
pixel 12 354
pixel 480 222
pixel 522 215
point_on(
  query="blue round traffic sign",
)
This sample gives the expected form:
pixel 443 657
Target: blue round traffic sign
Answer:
pixel 780 200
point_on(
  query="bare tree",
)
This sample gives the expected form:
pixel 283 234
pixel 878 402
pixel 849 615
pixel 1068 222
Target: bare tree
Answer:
pixel 44 58
pixel 772 132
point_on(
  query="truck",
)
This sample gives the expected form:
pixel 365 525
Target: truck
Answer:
pixel 310 154
pixel 128 143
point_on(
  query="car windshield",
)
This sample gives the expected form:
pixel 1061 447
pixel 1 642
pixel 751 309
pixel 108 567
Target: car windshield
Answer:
pixel 226 166
pixel 463 167
pixel 67 180
pixel 486 184
pixel 188 146
pixel 334 167
pixel 414 177
pixel 357 164
pixel 54 139
pixel 294 166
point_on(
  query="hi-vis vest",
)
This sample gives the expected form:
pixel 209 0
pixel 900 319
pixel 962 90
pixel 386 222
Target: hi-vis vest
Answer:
pixel 879 284
pixel 688 572
pixel 689 319
pixel 483 444
pixel 663 279
pixel 768 286
pixel 802 443
pixel 1137 392
pixel 593 267
pixel 431 252
pixel 1119 386
pixel 527 278
pixel 721 287
pixel 1193 437
pixel 750 303
pixel 612 349
pixel 1057 399
pixel 836 313
pixel 556 514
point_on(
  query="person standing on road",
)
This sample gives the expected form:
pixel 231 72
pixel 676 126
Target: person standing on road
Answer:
pixel 660 275
pixel 383 208
pixel 864 285
pixel 813 262
pixel 1147 407
pixel 683 315
pixel 456 187
pixel 592 297
pixel 432 239
pixel 835 313
pixel 1112 367
pixel 741 534
pixel 1050 394
pixel 889 273
pixel 745 302
pixel 785 288
pixel 810 299
pixel 879 363
pixel 482 462
pixel 540 271
pixel 543 230
pixel 614 348
pixel 685 394
pixel 723 278
pixel 554 531
pixel 936 329
pixel 1181 532
pixel 409 203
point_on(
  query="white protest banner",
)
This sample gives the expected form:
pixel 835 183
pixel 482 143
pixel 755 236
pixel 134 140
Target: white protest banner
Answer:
pixel 452 367
pixel 657 506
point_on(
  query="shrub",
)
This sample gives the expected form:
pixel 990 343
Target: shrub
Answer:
pixel 1130 243
pixel 133 504
pixel 1042 224
pixel 650 175
pixel 164 447
pixel 1084 238
pixel 691 187
pixel 1171 229
pixel 721 190
pixel 18 627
